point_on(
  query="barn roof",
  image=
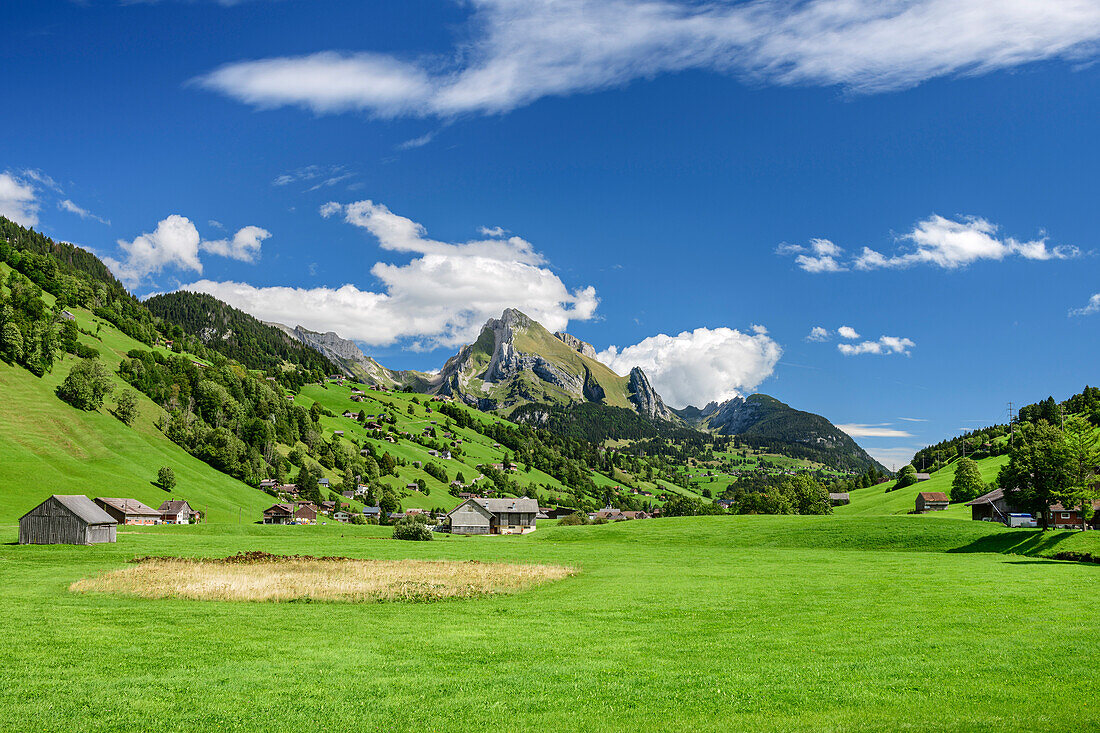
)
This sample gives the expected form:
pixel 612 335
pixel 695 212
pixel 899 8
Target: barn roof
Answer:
pixel 129 506
pixel 175 506
pixel 933 496
pixel 82 507
pixel 992 496
pixel 523 504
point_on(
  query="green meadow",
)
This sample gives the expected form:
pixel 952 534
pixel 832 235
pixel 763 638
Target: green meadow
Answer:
pixel 881 623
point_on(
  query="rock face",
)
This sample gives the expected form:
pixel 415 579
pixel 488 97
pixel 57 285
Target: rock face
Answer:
pixel 347 355
pixel 645 399
pixel 733 416
pixel 581 347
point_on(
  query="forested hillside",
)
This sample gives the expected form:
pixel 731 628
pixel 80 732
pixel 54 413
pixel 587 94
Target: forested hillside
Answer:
pixel 234 333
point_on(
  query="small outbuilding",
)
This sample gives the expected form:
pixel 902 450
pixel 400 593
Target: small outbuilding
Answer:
pixel 992 507
pixel 494 516
pixel 839 498
pixel 932 501
pixel 66 520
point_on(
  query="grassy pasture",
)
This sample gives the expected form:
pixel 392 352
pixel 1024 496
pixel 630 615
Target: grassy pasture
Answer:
pixel 707 623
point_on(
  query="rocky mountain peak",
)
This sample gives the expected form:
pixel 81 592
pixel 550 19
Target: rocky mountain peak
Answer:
pixel 581 347
pixel 645 398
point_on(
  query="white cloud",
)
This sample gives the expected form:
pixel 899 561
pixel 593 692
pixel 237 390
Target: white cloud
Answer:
pixel 72 208
pixel 818 333
pixel 881 430
pixel 417 142
pixel 847 332
pixel 492 231
pixel 442 297
pixel 1093 306
pixel 885 345
pixel 42 178
pixel 319 176
pixel 17 200
pixel 522 50
pixel 823 258
pixel 952 244
pixel 695 367
pixel 937 241
pixel 245 245
pixel 914 419
pixel 176 244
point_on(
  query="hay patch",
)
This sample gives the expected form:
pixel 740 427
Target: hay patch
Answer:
pixel 281 578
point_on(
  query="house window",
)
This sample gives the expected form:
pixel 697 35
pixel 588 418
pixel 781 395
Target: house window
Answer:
pixel 1065 515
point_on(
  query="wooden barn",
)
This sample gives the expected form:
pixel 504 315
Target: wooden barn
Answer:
pixel 66 520
pixel 931 501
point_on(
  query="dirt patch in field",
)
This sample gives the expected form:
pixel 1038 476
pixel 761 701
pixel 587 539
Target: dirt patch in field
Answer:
pixel 258 576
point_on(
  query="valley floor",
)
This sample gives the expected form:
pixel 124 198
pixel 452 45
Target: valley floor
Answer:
pixel 716 623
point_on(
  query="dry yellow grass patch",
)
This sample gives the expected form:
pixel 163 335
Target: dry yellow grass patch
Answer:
pixel 319 579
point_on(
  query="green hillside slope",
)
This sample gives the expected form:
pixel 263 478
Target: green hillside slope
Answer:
pixel 876 500
pixel 48 447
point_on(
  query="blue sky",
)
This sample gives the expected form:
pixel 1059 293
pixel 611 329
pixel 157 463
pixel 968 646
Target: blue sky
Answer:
pixel 693 185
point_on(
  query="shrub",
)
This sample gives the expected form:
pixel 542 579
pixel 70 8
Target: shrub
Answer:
pixel 572 520
pixel 409 528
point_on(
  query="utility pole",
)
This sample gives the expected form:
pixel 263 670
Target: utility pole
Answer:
pixel 1011 424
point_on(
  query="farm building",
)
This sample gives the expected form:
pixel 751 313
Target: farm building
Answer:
pixel 1062 517
pixel 839 499
pixel 306 513
pixel 66 520
pixel 931 501
pixel 177 512
pixel 494 516
pixel 992 507
pixel 129 511
pixel 279 514
pixel 922 476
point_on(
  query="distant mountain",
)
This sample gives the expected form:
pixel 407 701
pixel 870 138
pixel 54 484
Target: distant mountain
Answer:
pixel 353 362
pixel 762 421
pixel 515 361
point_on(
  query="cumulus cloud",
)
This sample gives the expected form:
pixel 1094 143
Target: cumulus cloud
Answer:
pixel 17 200
pixel 522 50
pixel 175 244
pixel 947 243
pixel 441 297
pixel 696 367
pixel 847 332
pixel 884 345
pixel 881 430
pixel 818 333
pixel 72 208
pixel 244 246
pixel 1093 306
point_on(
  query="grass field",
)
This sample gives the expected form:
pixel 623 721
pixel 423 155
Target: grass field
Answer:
pixel 700 624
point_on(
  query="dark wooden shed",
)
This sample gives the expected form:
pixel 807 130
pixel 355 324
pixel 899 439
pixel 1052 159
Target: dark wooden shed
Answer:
pixel 66 520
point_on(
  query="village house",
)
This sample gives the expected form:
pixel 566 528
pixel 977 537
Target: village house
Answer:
pixel 279 514
pixel 340 516
pixel 177 511
pixel 372 512
pixel 1062 517
pixel 350 414
pixel 66 519
pixel 288 489
pixel 931 501
pixel 306 513
pixel 268 483
pixel 494 516
pixel 323 483
pixel 129 511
